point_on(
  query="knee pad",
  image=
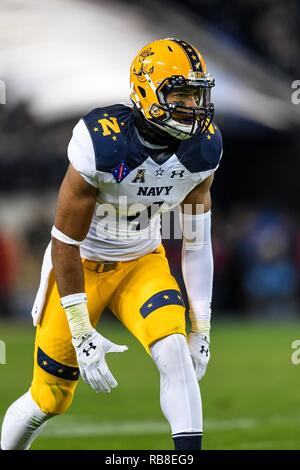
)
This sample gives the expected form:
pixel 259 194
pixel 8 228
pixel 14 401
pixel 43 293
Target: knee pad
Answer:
pixel 172 357
pixel 173 360
pixel 53 396
pixel 180 397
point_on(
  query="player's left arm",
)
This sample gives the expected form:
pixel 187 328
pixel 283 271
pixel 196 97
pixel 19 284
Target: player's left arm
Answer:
pixel 197 269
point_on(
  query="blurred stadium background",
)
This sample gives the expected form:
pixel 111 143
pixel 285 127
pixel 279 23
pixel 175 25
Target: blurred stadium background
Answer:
pixel 59 59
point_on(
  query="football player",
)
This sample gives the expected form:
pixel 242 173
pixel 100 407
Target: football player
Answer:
pixel 130 163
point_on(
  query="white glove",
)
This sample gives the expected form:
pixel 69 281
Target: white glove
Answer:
pixel 90 351
pixel 199 350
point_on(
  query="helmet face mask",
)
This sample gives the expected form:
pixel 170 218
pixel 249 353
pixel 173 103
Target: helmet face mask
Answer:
pixel 184 120
pixel 178 103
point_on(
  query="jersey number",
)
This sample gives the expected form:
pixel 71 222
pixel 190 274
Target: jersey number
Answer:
pixel 143 217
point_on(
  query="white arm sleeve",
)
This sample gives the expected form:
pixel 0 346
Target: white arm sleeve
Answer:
pixel 197 268
pixel 81 153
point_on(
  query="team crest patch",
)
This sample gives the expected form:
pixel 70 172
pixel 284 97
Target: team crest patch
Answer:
pixel 121 171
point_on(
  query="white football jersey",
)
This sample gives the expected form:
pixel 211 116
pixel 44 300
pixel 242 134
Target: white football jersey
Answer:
pixel 133 188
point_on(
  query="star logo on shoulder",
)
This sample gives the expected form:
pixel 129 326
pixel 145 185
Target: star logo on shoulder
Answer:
pixel 159 172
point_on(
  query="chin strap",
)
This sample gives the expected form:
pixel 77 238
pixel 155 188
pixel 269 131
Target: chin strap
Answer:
pixel 151 133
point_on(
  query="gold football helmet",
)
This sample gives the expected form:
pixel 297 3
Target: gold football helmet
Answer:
pixel 161 73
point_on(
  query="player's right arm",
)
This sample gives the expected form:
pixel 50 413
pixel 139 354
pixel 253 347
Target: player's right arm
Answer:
pixel 75 207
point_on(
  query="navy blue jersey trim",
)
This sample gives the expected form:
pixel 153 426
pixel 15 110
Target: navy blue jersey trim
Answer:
pixel 121 144
pixel 112 149
pixel 202 152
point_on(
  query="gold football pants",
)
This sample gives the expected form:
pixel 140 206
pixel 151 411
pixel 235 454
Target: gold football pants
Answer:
pixel 141 293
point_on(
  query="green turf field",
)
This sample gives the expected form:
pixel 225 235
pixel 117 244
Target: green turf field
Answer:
pixel 250 393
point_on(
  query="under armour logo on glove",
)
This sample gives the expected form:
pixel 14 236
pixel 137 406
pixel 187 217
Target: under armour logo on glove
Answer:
pixel 86 351
pixel 199 350
pixel 91 350
pixel 203 350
